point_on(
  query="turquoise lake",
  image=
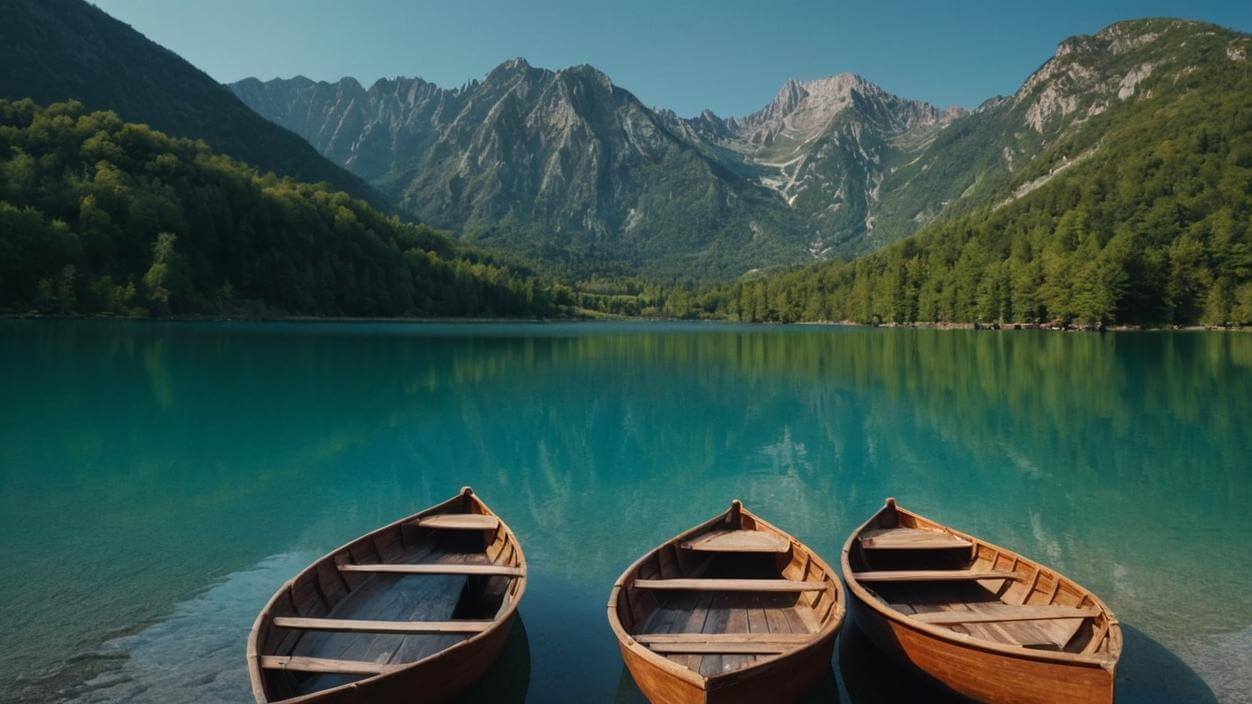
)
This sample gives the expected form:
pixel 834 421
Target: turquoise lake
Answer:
pixel 159 480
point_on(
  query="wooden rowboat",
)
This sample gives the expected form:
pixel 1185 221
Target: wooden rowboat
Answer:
pixel 734 610
pixel 980 620
pixel 414 611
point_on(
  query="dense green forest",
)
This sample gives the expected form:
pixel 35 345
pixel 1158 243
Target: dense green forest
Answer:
pixel 100 216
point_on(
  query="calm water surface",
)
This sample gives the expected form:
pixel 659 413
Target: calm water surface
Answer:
pixel 159 481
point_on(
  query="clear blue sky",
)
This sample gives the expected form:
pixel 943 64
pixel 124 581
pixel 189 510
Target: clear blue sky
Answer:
pixel 726 55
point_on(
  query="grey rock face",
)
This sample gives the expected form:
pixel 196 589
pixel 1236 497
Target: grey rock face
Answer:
pixel 573 170
pixel 566 166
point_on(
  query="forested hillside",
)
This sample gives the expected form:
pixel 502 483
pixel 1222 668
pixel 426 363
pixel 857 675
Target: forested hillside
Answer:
pixel 57 50
pixel 1151 225
pixel 102 216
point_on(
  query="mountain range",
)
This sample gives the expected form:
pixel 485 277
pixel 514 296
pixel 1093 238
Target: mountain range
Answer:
pixel 1112 186
pixel 566 167
pixel 569 168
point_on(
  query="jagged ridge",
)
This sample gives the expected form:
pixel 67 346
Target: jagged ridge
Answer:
pixel 568 167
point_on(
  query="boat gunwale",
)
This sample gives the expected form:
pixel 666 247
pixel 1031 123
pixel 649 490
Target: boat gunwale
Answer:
pixel 502 619
pixel 723 679
pixel 1106 662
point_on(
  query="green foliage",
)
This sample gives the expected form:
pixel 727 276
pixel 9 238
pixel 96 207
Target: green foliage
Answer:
pixel 167 281
pixel 1154 227
pixel 100 216
pixel 57 50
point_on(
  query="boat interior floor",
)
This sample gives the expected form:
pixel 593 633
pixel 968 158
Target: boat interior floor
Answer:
pixel 401 597
pixel 770 618
pixel 990 618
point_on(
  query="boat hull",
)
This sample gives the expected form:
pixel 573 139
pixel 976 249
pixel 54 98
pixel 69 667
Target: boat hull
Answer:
pixel 659 685
pixel 979 674
pixel 786 679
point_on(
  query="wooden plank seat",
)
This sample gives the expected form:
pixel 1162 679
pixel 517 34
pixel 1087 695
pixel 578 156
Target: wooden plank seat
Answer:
pixel 722 643
pixel 458 521
pixel 999 613
pixel 443 568
pixel 738 541
pixel 732 585
pixel 911 539
pixel 349 625
pixel 723 648
pixel 723 638
pixel 326 665
pixel 933 575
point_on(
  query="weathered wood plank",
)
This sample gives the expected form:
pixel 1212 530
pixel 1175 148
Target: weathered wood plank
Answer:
pixel 695 607
pixel 458 521
pixel 738 541
pixel 723 638
pixel 1008 612
pixel 714 649
pixel 737 623
pixel 911 539
pixel 416 647
pixel 732 585
pixel 348 625
pixel 719 614
pixel 391 597
pixel 469 570
pixel 932 575
pixel 325 665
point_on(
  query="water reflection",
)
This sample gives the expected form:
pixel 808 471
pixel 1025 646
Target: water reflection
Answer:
pixel 870 677
pixel 508 680
pixel 826 691
pixel 156 459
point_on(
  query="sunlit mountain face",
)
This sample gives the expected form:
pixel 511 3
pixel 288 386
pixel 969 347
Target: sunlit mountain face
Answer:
pixel 571 169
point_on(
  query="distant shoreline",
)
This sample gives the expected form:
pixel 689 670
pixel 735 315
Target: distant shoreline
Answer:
pixel 994 327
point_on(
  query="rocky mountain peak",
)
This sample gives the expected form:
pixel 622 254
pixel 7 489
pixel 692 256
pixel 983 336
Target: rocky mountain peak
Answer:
pixel 511 70
pixel 587 73
pixel 840 85
pixel 821 98
pixel 800 108
pixel 786 100
pixel 348 83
